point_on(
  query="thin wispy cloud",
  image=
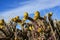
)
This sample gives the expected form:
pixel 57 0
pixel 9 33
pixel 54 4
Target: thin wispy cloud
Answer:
pixel 30 7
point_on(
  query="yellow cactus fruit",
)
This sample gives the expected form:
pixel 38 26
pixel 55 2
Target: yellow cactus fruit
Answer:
pixel 31 28
pixel 25 16
pixel 39 29
pixel 14 19
pixel 36 15
pixel 50 14
pixel 24 19
pixel 2 22
pixel 17 17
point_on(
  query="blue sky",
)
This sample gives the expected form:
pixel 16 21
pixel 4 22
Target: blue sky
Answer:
pixel 12 8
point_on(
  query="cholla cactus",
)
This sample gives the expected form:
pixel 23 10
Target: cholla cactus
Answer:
pixel 37 29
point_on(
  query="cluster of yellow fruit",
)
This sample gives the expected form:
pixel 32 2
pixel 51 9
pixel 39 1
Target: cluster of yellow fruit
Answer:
pixel 16 19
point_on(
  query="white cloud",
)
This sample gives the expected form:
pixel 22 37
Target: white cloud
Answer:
pixel 30 7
